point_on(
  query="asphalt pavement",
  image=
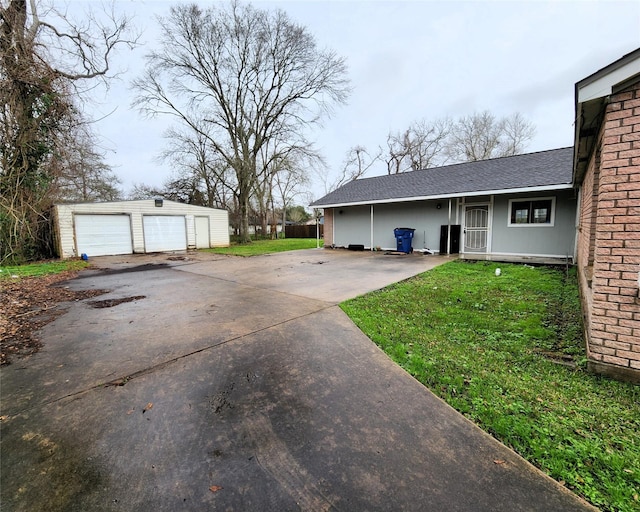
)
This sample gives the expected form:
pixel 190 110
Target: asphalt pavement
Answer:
pixel 238 384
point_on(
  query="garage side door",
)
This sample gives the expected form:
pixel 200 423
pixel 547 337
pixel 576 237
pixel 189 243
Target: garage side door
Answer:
pixel 164 233
pixel 202 232
pixel 103 235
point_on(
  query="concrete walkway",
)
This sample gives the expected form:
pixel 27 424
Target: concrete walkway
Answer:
pixel 238 384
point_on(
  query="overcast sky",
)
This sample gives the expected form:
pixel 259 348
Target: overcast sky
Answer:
pixel 408 61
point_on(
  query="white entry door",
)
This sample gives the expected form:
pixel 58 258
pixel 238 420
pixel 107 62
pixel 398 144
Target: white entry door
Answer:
pixel 476 228
pixel 164 233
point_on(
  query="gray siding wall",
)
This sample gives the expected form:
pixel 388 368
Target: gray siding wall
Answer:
pixel 553 241
pixel 353 225
pixel 424 217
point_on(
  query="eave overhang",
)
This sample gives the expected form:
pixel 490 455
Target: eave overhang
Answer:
pixel 591 98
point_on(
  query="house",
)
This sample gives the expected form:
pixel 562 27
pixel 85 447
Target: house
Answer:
pixel 125 227
pixel 527 208
pixel 517 208
pixel 606 172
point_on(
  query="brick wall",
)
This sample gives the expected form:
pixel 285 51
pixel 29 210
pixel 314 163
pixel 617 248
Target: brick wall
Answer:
pixel 612 303
pixel 328 227
pixel 586 239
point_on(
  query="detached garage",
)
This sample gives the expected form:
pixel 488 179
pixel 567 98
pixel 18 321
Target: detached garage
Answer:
pixel 125 227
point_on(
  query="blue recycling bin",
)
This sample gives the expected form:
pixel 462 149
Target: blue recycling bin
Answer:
pixel 404 236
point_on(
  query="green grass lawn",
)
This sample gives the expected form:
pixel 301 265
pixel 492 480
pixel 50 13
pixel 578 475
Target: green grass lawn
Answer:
pixel 507 352
pixel 267 246
pixel 41 268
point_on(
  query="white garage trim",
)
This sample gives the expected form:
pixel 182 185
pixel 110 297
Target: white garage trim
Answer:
pixel 164 233
pixel 103 235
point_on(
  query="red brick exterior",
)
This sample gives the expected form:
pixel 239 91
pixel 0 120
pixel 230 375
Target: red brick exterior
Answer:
pixel 608 254
pixel 328 227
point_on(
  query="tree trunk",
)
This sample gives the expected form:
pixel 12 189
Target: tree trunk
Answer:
pixel 243 199
pixel 284 220
pixel 264 222
pixel 274 223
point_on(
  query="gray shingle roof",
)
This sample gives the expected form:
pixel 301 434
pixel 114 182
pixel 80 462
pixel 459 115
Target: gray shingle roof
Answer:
pixel 548 169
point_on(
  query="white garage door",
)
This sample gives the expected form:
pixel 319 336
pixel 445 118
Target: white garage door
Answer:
pixel 164 233
pixel 103 235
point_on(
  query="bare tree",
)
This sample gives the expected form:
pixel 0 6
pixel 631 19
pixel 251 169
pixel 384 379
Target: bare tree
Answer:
pixel 44 57
pixel 517 133
pixel 290 180
pixel 251 74
pixel 420 146
pixel 196 162
pixel 356 163
pixel 426 143
pixel 144 191
pixel 481 136
pixel 83 174
pixel 262 197
pixel 282 169
pixel 476 137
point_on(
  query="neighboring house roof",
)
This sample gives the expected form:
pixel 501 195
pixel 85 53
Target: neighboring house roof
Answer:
pixel 545 170
pixel 592 95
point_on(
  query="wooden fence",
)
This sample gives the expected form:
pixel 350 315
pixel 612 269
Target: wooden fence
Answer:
pixel 303 231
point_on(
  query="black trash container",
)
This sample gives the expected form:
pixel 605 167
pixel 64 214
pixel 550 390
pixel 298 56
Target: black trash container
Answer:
pixel 404 236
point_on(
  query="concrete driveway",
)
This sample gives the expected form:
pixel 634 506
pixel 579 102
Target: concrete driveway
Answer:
pixel 238 384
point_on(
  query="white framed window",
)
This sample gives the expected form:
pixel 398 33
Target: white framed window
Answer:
pixel 532 212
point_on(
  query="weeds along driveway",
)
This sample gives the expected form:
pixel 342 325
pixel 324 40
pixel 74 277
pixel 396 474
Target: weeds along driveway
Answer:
pixel 237 384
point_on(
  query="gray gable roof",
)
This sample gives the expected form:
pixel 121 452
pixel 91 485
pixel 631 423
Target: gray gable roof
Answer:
pixel 545 170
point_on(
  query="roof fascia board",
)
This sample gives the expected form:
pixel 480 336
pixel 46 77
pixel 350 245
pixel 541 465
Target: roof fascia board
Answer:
pixel 590 96
pixel 544 188
pixel 603 82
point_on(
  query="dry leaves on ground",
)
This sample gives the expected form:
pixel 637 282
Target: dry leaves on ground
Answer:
pixel 29 303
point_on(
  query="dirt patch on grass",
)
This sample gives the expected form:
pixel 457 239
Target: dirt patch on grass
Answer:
pixel 28 304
